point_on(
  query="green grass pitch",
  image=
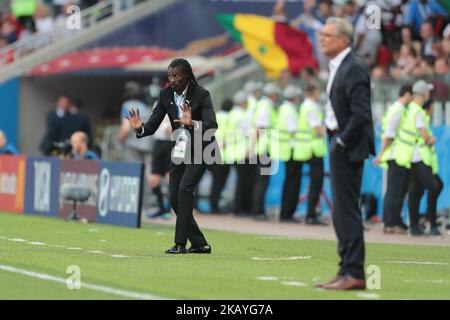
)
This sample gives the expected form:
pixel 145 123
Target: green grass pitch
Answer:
pixel 132 260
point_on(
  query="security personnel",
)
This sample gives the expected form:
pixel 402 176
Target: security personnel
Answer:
pixel 238 141
pixel 263 120
pixel 220 172
pixel 417 188
pixel 286 126
pixel 397 176
pixel 310 147
pixel 254 93
pixel 413 151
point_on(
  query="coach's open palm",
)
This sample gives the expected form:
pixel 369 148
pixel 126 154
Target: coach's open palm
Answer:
pixel 135 119
pixel 186 118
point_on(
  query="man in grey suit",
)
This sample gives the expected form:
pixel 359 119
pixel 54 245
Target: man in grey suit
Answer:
pixel 348 119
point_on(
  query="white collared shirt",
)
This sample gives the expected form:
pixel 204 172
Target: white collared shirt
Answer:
pixel 179 100
pixel 330 117
pixel 313 120
pixel 291 122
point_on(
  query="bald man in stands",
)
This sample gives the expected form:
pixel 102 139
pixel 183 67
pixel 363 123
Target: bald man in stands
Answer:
pixel 80 150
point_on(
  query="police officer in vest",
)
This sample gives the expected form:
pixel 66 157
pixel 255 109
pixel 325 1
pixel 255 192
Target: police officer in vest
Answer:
pixel 263 120
pixel 413 147
pixel 311 147
pixel 220 172
pixel 237 137
pixel 397 176
pixel 286 128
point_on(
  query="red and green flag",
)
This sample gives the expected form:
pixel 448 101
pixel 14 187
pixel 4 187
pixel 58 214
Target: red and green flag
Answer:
pixel 275 45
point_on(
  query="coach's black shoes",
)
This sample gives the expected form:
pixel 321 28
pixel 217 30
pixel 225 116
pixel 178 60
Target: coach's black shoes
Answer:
pixel 202 249
pixel 176 249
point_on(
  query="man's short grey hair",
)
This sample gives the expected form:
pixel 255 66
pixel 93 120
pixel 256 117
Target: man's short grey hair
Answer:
pixel 343 27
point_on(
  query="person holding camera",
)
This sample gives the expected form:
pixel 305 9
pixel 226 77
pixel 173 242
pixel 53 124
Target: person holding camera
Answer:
pixel 80 150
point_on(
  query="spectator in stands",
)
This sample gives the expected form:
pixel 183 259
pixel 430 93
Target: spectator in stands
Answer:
pixel 58 6
pixel 5 147
pixel 24 11
pixel 428 39
pixel 351 12
pixel 417 11
pixel 441 68
pixel 80 150
pixel 323 11
pixel 424 68
pixel 367 40
pixel 8 30
pixel 406 36
pixel 406 61
pixel 44 22
pixel 54 122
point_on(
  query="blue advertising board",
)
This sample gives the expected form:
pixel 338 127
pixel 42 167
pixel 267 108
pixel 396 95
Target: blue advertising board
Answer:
pixel 42 186
pixel 120 193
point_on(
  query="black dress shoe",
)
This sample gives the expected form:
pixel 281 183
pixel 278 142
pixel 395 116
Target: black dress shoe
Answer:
pixel 203 249
pixel 176 249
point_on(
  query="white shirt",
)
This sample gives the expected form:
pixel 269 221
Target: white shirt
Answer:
pixel 263 120
pixel 420 124
pixel 179 100
pixel 313 119
pixel 392 126
pixel 291 122
pixel 330 117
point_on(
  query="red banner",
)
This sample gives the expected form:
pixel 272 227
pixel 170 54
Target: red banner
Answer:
pixel 12 183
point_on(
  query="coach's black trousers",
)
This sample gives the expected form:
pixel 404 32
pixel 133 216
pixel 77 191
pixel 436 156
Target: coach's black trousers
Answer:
pixel 422 179
pixel 397 188
pixel 346 179
pixel 182 184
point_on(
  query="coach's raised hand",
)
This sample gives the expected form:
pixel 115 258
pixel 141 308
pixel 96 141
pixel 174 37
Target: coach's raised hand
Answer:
pixel 135 119
pixel 186 118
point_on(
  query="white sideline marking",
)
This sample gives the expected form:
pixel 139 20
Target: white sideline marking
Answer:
pixel 37 243
pixel 102 240
pixel 74 248
pixel 417 262
pixel 368 295
pixel 285 258
pixel 17 240
pixel 118 292
pixel 2 237
pixel 294 283
pixel 267 278
pixel 119 256
pixel 94 251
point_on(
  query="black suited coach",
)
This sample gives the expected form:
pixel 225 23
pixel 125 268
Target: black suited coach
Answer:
pixel 191 112
pixel 348 118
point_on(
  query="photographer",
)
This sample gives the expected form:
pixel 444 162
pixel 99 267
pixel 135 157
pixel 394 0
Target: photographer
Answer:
pixel 80 151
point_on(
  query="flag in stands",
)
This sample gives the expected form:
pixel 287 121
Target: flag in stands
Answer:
pixel 275 45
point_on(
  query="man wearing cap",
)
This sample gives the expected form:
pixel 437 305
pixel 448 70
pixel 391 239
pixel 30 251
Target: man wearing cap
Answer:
pixel 348 118
pixel 413 151
pixel 253 90
pixel 397 176
pixel 263 120
pixel 286 126
pixel 310 147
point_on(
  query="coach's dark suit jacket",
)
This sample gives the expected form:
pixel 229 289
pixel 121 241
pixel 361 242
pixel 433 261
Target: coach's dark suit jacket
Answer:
pixel 202 111
pixel 350 98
